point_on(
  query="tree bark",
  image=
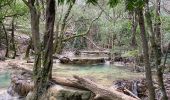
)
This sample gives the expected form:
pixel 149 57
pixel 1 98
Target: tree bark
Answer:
pixel 7 43
pixel 27 53
pixel 58 46
pixel 41 83
pixel 13 39
pixel 158 53
pixel 133 29
pixel 35 17
pixel 148 72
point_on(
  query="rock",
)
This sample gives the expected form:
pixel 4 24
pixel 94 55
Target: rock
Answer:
pixel 58 92
pixel 81 61
pixel 22 86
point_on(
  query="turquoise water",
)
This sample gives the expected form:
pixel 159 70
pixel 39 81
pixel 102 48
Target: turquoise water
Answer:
pixel 4 79
pixel 103 73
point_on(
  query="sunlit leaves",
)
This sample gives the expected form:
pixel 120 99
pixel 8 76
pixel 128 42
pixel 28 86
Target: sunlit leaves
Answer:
pixel 19 8
pixel 5 3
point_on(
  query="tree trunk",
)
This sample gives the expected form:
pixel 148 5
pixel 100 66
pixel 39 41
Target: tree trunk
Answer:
pixel 133 29
pixel 7 43
pixel 13 39
pixel 59 41
pixel 27 53
pixel 158 52
pixel 148 72
pixel 46 71
pixel 35 16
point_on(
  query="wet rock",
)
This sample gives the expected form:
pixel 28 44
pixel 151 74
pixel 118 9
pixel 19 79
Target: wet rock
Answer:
pixel 5 96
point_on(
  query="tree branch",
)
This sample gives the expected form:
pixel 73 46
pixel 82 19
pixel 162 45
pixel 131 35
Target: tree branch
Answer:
pixel 78 35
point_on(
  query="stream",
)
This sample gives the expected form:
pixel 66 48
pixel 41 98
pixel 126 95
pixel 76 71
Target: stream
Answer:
pixel 103 74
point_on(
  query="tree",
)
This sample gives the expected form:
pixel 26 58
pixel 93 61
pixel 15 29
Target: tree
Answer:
pixel 138 6
pixel 33 6
pixel 155 38
pixel 46 71
pixel 158 53
pixel 146 55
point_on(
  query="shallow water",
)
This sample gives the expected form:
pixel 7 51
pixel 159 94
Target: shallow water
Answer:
pixel 4 79
pixel 103 73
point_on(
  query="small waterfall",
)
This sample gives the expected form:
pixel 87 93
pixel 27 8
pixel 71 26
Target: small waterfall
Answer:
pixel 107 62
pixel 135 87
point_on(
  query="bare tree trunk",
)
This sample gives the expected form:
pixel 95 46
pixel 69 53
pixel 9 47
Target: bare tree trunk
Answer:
pixel 13 39
pixel 158 52
pixel 7 43
pixel 46 72
pixel 148 72
pixel 133 29
pixel 35 17
pixel 59 41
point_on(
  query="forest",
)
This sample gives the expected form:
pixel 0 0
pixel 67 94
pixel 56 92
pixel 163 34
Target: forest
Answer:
pixel 84 49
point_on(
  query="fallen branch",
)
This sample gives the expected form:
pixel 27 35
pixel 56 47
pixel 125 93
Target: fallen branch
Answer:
pixel 128 91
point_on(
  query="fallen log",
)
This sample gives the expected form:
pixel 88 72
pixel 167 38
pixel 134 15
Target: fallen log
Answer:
pixel 70 82
pixel 102 93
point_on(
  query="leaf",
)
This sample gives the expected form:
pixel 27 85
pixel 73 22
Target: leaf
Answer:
pixel 113 3
pixel 134 4
pixel 71 1
pixel 61 2
pixel 94 2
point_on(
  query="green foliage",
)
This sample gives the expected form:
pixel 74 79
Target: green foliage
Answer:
pixel 113 3
pixel 134 4
pixel 132 53
pixel 19 8
pixel 94 2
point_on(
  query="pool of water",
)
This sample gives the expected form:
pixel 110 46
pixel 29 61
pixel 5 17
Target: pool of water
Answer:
pixel 103 73
pixel 4 79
